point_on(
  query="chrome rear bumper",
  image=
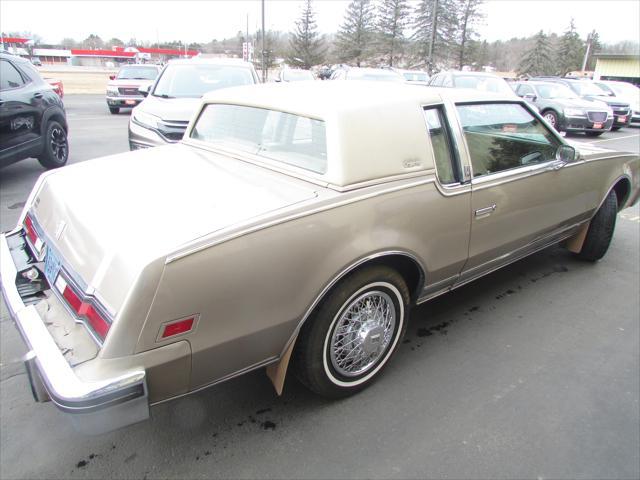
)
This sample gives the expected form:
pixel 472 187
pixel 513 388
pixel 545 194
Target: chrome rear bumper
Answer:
pixel 93 407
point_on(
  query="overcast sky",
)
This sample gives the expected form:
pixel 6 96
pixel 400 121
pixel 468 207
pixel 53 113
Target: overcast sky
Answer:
pixel 201 21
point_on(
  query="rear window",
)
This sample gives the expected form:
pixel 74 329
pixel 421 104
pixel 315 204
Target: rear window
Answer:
pixel 291 139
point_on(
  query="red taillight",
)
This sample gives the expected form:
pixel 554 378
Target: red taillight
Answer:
pixel 31 231
pixel 176 328
pixel 83 308
pixel 99 324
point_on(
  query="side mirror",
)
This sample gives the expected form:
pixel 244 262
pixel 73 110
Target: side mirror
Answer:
pixel 566 154
pixel 529 97
pixel 144 91
pixel 112 77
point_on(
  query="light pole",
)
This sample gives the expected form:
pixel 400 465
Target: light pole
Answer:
pixel 264 67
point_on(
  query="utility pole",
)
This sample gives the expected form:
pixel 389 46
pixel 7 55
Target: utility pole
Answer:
pixel 264 66
pixel 586 53
pixel 434 26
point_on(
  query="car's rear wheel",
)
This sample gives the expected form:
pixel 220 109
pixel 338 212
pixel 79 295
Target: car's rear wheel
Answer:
pixel 114 110
pixel 615 129
pixel 353 332
pixel 601 228
pixel 55 150
pixel 593 134
pixel 551 117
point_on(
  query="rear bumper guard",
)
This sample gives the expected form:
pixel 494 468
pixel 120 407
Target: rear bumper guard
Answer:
pixel 93 407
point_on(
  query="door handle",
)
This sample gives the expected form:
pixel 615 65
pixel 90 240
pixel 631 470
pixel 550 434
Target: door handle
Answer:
pixel 483 212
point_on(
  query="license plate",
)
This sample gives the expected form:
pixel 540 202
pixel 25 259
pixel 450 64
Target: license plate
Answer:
pixel 597 125
pixel 622 119
pixel 130 102
pixel 51 266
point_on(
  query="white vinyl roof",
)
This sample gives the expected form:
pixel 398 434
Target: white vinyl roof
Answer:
pixel 374 130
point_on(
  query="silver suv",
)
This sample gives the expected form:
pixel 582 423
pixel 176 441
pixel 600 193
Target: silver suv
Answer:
pixel 123 89
pixel 164 115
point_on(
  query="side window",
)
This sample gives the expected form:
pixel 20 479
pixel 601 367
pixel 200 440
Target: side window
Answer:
pixel 524 89
pixel 502 136
pixel 446 162
pixel 9 76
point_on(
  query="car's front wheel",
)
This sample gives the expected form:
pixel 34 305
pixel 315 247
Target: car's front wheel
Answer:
pixel 55 150
pixel 552 118
pixel 353 332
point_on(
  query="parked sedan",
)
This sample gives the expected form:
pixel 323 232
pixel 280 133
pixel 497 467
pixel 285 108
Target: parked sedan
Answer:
pixel 481 81
pixel 566 111
pixel 163 116
pixel 588 90
pixel 625 92
pixel 294 223
pixel 367 74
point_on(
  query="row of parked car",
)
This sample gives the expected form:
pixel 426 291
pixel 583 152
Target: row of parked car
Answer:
pixel 164 99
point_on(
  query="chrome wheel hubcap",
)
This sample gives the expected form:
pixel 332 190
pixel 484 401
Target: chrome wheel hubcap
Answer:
pixel 58 143
pixel 362 333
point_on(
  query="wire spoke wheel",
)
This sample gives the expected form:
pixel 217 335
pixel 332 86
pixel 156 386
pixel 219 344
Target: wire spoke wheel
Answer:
pixel 362 334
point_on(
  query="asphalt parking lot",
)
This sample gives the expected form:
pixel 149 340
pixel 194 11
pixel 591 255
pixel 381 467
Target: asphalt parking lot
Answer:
pixel 530 372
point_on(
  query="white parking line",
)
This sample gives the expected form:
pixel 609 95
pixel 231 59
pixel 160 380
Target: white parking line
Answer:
pixel 615 138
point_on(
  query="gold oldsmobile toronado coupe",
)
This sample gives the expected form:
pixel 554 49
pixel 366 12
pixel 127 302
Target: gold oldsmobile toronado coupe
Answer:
pixel 292 228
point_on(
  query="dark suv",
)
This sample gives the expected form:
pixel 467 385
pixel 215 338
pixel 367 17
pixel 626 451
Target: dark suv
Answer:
pixel 32 117
pixel 588 90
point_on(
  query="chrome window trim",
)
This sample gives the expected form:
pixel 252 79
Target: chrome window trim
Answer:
pixel 454 153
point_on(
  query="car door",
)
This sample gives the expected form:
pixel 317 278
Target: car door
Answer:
pixel 522 197
pixel 19 112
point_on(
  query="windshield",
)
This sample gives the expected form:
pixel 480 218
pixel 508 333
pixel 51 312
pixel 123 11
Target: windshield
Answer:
pixel 193 81
pixel 416 77
pixel 549 91
pixel 374 75
pixel 297 75
pixel 137 73
pixel 292 139
pixel 583 88
pixel 624 89
pixel 485 84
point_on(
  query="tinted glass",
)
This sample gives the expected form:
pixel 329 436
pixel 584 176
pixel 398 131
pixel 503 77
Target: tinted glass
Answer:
pixel 441 145
pixel 9 76
pixel 524 89
pixel 296 75
pixel 482 83
pixel 287 138
pixel 181 81
pixel 138 73
pixel 502 136
pixel 374 75
pixel 551 91
pixel 587 88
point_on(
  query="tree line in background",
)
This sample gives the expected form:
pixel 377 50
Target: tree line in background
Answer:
pixel 433 35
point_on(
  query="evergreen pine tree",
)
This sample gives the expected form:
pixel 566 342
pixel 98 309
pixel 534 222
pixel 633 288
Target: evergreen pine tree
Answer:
pixel 539 60
pixel 570 51
pixel 306 45
pixel 355 35
pixel 446 22
pixel 470 14
pixel 392 20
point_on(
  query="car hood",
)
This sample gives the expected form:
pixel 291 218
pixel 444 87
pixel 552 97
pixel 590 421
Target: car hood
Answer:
pixel 129 82
pixel 111 217
pixel 608 100
pixel 579 103
pixel 170 109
